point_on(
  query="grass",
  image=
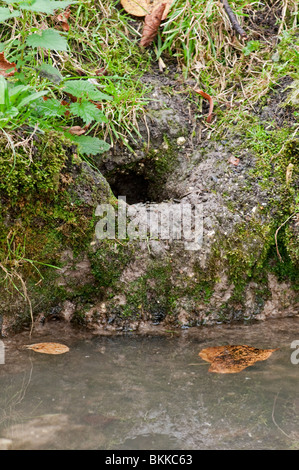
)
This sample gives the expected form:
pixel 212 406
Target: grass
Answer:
pixel 196 34
pixel 98 39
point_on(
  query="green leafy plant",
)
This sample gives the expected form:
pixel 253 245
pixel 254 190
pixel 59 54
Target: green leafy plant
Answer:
pixel 14 98
pixel 86 95
pixel 251 46
pixel 84 106
pixel 49 39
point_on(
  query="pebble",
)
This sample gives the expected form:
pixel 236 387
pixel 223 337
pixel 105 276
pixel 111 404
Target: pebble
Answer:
pixel 181 140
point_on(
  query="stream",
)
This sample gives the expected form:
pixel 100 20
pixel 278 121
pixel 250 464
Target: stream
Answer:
pixel 150 392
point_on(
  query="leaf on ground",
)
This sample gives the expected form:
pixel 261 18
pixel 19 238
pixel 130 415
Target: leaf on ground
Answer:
pixel 145 7
pixel 210 100
pixel 48 348
pixel 6 68
pixel 233 358
pixel 50 107
pixel 101 72
pixel 151 25
pixel 62 18
pixel 76 130
pixel 234 160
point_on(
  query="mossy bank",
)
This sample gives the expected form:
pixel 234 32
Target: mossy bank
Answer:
pixel 244 182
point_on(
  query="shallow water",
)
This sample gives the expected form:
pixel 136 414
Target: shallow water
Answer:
pixel 141 392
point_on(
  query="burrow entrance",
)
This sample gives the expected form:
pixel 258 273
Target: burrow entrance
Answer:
pixel 133 186
pixel 139 184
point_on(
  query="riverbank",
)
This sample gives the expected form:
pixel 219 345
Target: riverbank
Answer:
pixel 240 172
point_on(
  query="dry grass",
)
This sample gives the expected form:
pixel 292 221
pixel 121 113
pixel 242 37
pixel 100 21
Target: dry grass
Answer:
pixel 200 35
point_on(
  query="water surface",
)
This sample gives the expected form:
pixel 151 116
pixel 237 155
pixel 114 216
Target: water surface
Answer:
pixel 151 392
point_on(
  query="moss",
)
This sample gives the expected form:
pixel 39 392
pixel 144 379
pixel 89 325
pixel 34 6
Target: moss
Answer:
pixel 48 202
pixel 162 159
pixel 23 175
pixel 109 260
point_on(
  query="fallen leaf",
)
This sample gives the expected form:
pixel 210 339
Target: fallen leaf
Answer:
pixel 101 72
pixel 210 100
pixel 6 68
pixel 62 18
pixel 233 160
pixel 233 358
pixel 48 348
pixel 76 130
pixel 152 22
pixel 145 7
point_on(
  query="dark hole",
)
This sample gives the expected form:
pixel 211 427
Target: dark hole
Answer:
pixel 132 185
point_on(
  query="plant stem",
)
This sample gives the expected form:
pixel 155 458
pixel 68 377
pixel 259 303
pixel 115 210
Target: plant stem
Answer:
pixel 23 35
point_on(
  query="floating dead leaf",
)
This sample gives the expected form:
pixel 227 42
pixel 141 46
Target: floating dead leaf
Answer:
pixel 48 348
pixel 6 68
pixel 210 100
pixel 151 25
pixel 145 7
pixel 233 358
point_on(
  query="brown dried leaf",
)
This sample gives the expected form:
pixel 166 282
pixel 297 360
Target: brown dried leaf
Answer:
pixel 48 348
pixel 62 18
pixel 145 7
pixel 151 25
pixel 233 160
pixel 233 358
pixel 76 130
pixel 101 72
pixel 210 100
pixel 6 68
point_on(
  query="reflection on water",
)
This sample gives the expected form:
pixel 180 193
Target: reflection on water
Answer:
pixel 152 393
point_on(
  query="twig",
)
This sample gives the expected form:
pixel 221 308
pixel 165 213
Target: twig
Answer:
pixel 233 19
pixel 273 419
pixel 276 233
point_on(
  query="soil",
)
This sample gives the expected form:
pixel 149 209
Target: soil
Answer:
pixel 263 23
pixel 274 110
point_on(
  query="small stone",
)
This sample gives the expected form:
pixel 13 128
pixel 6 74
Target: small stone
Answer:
pixel 275 57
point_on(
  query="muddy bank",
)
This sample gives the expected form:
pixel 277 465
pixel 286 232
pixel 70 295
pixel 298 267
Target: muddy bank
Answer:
pixel 226 267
